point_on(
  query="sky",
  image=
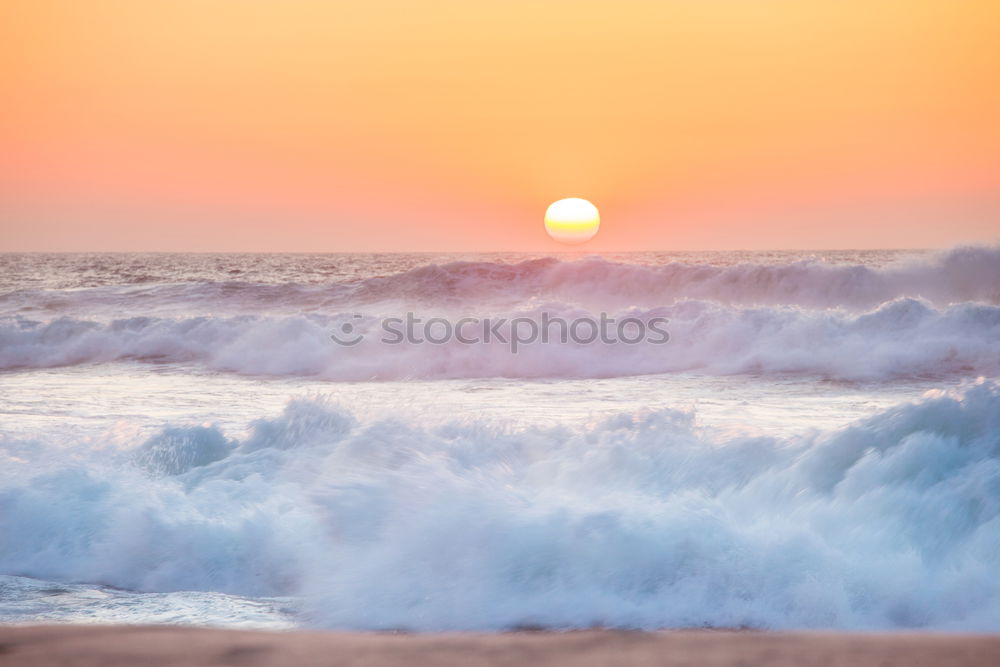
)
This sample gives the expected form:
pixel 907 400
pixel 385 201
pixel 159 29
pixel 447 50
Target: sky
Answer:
pixel 450 125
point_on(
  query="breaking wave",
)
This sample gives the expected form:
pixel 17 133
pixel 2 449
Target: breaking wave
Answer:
pixel 638 521
pixel 960 274
pixel 966 274
pixel 900 339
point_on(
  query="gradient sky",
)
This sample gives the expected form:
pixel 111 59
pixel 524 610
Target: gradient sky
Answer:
pixel 315 125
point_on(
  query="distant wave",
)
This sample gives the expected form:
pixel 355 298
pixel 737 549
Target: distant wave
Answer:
pixel 958 275
pixel 891 522
pixel 902 338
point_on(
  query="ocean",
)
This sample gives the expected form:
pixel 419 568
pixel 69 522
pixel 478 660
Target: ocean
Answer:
pixel 240 440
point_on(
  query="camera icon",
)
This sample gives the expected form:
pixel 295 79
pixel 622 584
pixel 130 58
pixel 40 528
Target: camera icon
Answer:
pixel 347 336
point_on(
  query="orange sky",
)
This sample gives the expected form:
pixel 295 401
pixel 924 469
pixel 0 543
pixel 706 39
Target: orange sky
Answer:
pixel 450 125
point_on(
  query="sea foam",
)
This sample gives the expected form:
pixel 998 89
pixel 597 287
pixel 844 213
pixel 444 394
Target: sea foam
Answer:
pixel 899 339
pixel 638 521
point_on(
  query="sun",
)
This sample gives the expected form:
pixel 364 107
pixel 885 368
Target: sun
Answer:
pixel 572 220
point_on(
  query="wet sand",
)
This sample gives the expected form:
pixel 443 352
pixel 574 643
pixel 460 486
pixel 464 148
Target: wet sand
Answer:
pixel 131 646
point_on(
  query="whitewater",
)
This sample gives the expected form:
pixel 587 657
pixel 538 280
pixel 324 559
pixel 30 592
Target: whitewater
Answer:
pixel 816 446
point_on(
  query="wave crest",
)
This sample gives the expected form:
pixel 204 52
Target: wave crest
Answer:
pixel 965 274
pixel 891 522
pixel 900 339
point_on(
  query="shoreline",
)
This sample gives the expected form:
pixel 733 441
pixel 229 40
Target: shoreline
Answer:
pixel 111 646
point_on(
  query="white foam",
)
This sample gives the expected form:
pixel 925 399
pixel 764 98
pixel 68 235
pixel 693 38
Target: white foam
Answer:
pixel 900 339
pixel 891 522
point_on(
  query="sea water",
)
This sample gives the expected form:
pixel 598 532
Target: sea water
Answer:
pixel 817 445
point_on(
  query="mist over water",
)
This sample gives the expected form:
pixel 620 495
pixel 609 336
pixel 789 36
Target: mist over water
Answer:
pixel 817 446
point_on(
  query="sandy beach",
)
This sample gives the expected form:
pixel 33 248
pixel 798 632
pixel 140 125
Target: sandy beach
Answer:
pixel 110 646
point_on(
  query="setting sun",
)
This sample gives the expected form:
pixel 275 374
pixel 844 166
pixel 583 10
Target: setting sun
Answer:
pixel 572 220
